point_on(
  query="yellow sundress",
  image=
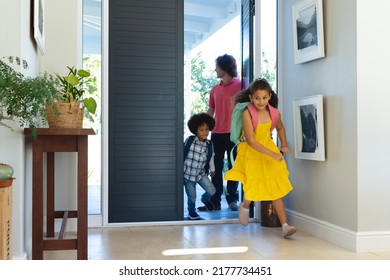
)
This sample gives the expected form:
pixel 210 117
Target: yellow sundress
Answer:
pixel 263 177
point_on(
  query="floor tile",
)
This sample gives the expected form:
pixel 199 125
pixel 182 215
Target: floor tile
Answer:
pixel 230 241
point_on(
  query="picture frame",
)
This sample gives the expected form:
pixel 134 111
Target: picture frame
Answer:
pixel 309 128
pixel 39 27
pixel 308 30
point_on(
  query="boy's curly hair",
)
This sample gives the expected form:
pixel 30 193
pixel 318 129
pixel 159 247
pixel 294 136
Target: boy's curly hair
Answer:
pixel 198 120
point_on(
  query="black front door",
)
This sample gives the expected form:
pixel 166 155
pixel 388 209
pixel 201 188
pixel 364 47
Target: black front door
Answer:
pixel 145 111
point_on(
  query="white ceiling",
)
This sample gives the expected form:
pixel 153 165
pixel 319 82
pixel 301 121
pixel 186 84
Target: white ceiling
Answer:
pixel 202 18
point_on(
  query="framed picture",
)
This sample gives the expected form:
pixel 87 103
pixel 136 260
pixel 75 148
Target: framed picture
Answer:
pixel 39 29
pixel 309 128
pixel 308 30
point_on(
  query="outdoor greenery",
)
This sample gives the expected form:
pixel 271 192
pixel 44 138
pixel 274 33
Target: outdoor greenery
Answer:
pixel 93 88
pixel 203 78
pixel 92 62
pixel 268 69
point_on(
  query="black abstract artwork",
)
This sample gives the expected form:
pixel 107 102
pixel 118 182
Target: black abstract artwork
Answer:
pixel 309 128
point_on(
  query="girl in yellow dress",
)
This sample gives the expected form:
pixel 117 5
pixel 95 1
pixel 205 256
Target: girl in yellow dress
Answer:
pixel 259 165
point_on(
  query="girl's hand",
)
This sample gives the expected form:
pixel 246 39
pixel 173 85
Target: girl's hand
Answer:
pixel 285 149
pixel 278 157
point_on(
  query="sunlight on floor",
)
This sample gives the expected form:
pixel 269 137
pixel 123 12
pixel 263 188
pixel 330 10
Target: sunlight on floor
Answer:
pixel 215 250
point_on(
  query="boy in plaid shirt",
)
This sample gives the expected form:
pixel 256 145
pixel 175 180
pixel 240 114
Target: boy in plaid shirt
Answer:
pixel 198 154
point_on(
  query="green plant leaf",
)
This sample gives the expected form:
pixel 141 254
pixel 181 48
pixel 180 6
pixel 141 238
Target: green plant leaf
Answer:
pixel 24 98
pixel 83 73
pixel 90 104
pixel 72 79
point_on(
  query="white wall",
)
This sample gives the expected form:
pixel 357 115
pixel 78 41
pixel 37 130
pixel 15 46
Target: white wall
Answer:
pixel 63 47
pixel 63 36
pixel 63 23
pixel 373 99
pixel 17 41
pixel 338 199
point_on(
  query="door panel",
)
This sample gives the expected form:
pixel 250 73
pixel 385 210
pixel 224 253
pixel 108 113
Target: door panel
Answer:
pixel 247 13
pixel 145 110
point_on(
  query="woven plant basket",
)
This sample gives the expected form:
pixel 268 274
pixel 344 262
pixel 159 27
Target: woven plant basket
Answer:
pixel 70 115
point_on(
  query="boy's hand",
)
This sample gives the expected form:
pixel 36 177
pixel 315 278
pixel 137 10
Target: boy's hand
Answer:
pixel 212 174
pixel 285 150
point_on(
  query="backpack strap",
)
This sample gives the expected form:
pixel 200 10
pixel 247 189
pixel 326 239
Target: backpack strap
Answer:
pixel 254 115
pixel 209 150
pixel 274 113
pixel 187 145
pixel 209 155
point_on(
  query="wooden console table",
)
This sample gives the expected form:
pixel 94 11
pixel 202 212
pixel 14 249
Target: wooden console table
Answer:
pixel 49 141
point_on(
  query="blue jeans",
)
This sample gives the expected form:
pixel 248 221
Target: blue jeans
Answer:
pixel 190 188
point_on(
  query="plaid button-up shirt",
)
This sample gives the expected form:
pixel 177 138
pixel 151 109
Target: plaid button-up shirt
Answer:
pixel 196 160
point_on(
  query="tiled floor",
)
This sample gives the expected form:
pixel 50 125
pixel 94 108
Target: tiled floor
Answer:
pixel 254 242
pixel 218 241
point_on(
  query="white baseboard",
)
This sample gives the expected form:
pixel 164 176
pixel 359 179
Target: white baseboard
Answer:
pixel 348 239
pixel 373 241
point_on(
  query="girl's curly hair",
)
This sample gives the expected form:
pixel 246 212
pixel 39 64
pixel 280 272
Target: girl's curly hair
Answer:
pixel 258 84
pixel 198 120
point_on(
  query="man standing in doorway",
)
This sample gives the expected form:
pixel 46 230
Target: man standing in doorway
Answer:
pixel 221 104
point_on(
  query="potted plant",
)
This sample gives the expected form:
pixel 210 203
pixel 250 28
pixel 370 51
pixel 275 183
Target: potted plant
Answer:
pixel 24 98
pixel 72 100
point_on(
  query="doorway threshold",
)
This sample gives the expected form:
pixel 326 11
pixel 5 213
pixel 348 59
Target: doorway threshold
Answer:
pixel 178 223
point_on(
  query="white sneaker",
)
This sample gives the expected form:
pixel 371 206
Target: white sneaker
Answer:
pixel 243 217
pixel 288 230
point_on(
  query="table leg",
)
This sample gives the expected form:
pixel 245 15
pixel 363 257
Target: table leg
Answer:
pixel 37 201
pixel 82 198
pixel 50 196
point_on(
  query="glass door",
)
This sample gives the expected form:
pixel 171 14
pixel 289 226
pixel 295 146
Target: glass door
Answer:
pixel 92 58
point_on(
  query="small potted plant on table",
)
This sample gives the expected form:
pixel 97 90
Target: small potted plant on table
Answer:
pixel 69 110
